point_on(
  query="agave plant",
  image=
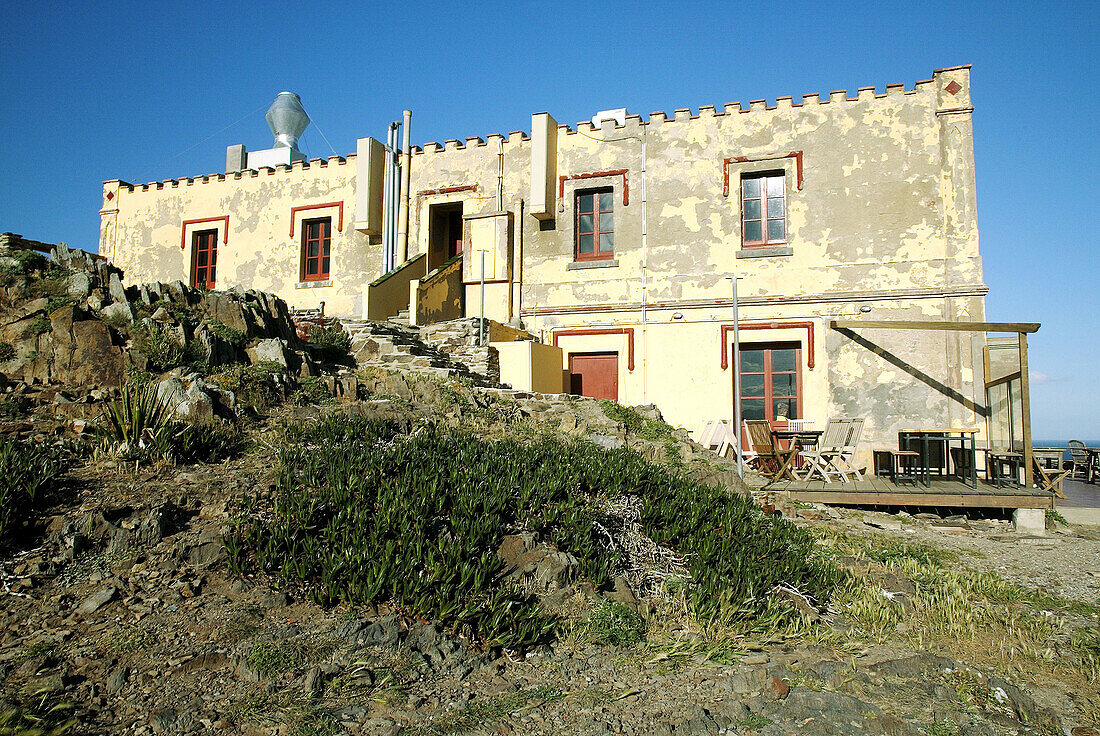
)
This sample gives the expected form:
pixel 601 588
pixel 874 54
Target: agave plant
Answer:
pixel 139 422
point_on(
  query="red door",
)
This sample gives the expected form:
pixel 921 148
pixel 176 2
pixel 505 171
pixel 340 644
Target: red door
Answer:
pixel 595 375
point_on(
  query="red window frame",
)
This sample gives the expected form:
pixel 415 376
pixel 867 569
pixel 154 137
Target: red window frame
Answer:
pixel 204 258
pixel 769 395
pixel 600 205
pixel 770 205
pixel 316 249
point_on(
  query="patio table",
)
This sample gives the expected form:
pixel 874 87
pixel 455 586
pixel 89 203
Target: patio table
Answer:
pixel 922 439
pixel 796 440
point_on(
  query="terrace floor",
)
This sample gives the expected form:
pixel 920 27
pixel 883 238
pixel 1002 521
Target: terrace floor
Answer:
pixel 879 491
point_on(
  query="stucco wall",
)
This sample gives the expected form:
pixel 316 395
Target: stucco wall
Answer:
pixel 881 213
pixel 142 227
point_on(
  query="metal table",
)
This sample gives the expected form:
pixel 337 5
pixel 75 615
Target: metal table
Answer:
pixel 921 440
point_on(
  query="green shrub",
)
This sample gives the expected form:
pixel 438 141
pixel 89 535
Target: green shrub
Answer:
pixel 269 659
pixel 27 471
pixel 613 623
pixel 7 352
pixel 311 390
pixel 25 263
pixel 41 325
pixel 208 443
pixel 161 345
pixel 363 514
pixel 332 338
pixel 254 385
pixel 234 337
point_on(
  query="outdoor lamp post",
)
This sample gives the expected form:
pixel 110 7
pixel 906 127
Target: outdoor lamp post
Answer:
pixel 736 382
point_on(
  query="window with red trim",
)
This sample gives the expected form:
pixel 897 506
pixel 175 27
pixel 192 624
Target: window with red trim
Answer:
pixel 764 209
pixel 595 225
pixel 316 247
pixel 771 382
pixel 204 258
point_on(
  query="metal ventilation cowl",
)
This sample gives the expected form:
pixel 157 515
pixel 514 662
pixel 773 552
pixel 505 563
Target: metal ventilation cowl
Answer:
pixel 287 119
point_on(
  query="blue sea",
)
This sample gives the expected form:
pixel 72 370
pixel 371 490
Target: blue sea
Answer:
pixel 1062 443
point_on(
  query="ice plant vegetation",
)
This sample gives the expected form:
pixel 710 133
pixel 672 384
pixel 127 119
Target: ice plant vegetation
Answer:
pixel 364 513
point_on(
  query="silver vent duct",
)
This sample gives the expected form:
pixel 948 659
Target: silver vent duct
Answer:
pixel 287 119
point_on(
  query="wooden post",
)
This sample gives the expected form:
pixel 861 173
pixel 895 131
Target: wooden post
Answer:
pixel 1025 408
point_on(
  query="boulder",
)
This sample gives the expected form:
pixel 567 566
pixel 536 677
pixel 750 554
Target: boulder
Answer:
pixel 117 312
pixel 114 286
pixel 80 285
pixel 95 359
pixel 271 350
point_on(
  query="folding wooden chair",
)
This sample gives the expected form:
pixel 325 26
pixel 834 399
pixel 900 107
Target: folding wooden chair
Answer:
pixel 768 460
pixel 842 462
pixel 833 440
pixel 1052 480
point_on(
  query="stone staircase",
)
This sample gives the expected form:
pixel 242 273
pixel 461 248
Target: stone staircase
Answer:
pixel 396 346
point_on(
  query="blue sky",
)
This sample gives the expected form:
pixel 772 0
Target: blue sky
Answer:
pixel 140 91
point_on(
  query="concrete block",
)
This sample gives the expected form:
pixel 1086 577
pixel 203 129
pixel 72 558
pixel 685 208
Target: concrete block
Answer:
pixel 1030 521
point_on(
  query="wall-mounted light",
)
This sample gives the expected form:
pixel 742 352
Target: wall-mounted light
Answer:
pixel 864 310
pixel 677 315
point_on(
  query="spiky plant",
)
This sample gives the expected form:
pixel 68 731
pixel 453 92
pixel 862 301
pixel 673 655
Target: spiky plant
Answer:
pixel 138 422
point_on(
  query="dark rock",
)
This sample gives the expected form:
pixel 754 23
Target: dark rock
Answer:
pixel 118 680
pixel 163 721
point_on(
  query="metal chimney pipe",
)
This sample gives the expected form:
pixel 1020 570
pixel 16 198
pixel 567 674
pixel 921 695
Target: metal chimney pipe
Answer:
pixel 403 212
pixel 287 119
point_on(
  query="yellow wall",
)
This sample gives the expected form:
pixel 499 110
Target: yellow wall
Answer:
pixel 530 366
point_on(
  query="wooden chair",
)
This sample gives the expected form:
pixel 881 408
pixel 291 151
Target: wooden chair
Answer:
pixel 844 461
pixel 1079 458
pixel 829 447
pixel 798 425
pixel 767 460
pixel 1049 479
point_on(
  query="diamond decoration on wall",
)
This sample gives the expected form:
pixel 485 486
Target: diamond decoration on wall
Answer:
pixel 953 88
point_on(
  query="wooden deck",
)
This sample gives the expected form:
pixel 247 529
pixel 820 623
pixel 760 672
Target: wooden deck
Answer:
pixel 877 491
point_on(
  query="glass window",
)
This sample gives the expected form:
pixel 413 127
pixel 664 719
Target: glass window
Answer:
pixel 595 225
pixel 316 249
pixel 763 209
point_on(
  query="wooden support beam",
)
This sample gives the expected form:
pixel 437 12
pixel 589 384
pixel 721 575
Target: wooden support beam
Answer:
pixel 1025 409
pixel 853 324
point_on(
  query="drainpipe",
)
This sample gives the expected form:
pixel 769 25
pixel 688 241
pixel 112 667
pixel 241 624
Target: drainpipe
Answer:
pixel 391 183
pixel 403 212
pixel 517 270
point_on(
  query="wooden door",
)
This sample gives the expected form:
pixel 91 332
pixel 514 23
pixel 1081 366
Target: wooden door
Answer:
pixel 204 258
pixel 771 383
pixel 595 375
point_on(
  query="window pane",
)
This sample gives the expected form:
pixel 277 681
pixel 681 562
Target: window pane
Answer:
pixel 213 256
pixel 311 250
pixel 585 223
pixel 776 231
pixel 607 222
pixel 752 409
pixel 775 206
pixel 606 202
pixel 775 186
pixel 751 187
pixel 752 384
pixel 326 228
pixel 325 250
pixel 752 230
pixel 607 242
pixel 783 384
pixel 584 243
pixel 752 361
pixel 324 265
pixel 584 203
pixel 311 268
pixel 752 209
pixel 783 360
pixel 210 278
pixel 784 409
